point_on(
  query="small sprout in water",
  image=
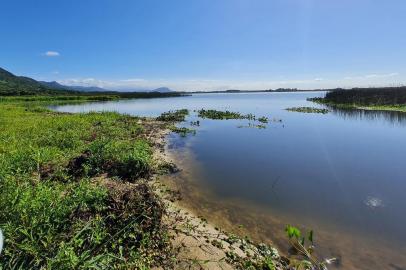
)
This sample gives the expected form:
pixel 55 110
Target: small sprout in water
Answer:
pixel 298 243
pixel 195 123
pixel 263 119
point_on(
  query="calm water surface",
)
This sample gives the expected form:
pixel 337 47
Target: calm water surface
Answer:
pixel 342 173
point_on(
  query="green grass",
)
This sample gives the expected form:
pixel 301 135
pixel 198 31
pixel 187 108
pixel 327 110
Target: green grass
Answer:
pixel 58 98
pixel 53 214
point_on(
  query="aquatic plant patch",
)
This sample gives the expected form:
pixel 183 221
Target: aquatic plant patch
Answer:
pixel 307 110
pixel 226 115
pixel 252 126
pixel 221 115
pixel 174 116
pixel 182 131
pixel 263 119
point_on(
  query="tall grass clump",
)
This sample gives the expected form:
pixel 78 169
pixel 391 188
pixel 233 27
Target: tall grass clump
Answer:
pixel 115 157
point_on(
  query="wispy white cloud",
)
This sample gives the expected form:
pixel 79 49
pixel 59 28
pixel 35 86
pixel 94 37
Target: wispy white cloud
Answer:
pixel 51 54
pixel 192 84
pixel 133 80
pixel 85 82
pixel 372 76
pixel 382 75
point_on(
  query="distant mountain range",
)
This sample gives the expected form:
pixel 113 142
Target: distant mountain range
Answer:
pixel 162 90
pixel 56 85
pixel 11 84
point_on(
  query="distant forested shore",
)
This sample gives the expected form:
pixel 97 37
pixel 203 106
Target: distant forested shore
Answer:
pixel 384 98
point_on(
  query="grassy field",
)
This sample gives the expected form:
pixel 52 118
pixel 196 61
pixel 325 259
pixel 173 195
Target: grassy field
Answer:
pixel 54 213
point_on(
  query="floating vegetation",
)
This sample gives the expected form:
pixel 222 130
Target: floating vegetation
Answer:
pixel 221 115
pixel 178 116
pixel 174 116
pixel 226 115
pixel 307 110
pixel 182 131
pixel 250 116
pixel 250 125
pixel 263 119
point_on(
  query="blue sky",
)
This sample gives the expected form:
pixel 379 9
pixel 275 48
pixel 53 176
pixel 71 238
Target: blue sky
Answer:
pixel 206 44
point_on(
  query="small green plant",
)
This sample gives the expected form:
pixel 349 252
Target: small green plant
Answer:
pixel 195 123
pixel 268 264
pixel 304 245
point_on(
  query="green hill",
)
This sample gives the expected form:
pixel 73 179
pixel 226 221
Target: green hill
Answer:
pixel 12 85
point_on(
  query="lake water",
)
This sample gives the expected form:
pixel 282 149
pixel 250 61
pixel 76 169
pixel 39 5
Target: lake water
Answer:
pixel 342 174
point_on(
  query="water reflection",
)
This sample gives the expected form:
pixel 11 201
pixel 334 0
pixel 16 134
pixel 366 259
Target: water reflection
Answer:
pixel 391 117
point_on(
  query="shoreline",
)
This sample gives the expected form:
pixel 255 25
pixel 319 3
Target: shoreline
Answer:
pixel 202 244
pixel 193 204
pixel 102 170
